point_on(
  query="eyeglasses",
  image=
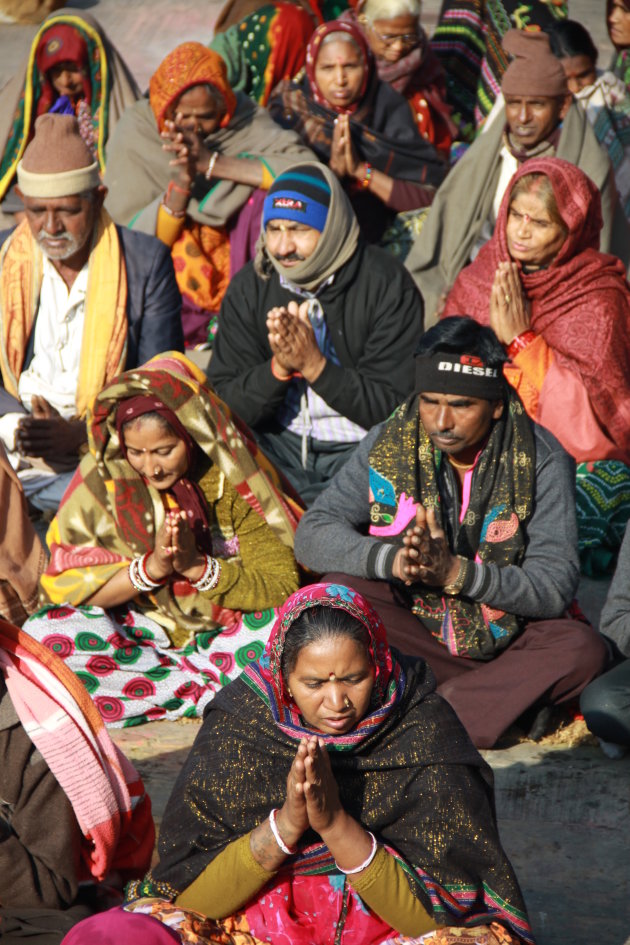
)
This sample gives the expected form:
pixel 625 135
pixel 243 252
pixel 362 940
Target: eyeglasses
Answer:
pixel 406 40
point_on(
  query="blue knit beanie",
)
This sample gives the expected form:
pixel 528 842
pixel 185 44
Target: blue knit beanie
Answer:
pixel 301 194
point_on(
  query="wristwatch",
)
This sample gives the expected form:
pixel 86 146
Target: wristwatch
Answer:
pixel 455 586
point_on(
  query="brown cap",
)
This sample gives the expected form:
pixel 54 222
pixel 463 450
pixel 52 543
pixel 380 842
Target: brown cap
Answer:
pixel 534 70
pixel 57 162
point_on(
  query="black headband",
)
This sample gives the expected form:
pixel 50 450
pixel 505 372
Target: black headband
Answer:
pixel 447 373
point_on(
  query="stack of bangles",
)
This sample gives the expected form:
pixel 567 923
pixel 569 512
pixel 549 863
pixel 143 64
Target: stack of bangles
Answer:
pixel 145 584
pixel 139 577
pixel 210 576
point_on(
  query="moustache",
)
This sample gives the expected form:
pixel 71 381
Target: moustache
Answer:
pixel 45 235
pixel 291 257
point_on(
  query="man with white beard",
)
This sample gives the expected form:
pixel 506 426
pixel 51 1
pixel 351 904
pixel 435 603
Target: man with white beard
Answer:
pixel 80 301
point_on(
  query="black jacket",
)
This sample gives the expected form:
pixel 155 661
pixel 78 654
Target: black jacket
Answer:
pixel 374 315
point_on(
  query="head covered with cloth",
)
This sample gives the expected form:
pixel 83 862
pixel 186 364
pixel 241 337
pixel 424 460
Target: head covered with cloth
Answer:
pixel 439 838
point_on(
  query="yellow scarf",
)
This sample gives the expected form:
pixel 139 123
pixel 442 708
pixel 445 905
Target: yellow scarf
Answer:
pixel 104 343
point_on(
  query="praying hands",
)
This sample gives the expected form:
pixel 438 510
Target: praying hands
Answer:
pixel 425 555
pixel 293 343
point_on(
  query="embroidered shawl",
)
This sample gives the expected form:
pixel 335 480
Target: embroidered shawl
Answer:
pixel 410 775
pixel 492 530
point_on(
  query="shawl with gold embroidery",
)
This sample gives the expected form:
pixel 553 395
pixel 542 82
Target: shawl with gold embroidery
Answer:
pixel 404 468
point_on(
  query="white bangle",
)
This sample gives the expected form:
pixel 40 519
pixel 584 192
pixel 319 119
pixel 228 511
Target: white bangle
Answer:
pixel 365 863
pixel 211 163
pixel 276 834
pixel 140 579
pixel 210 576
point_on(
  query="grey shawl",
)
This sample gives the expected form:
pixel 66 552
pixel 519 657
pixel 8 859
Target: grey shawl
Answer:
pixel 138 169
pixel 463 203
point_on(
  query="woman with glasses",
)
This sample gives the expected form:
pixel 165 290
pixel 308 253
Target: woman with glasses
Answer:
pixel 361 127
pixel 405 60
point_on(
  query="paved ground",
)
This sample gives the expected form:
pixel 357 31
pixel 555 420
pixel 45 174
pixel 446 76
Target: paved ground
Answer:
pixel 563 808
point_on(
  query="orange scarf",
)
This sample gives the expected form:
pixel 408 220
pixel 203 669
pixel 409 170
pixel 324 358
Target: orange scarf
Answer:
pixel 104 343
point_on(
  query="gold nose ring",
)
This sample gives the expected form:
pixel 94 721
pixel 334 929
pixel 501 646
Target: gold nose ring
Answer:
pixel 346 702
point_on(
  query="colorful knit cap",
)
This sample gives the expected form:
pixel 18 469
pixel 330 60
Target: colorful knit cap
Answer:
pixel 188 65
pixel 302 195
pixel 57 162
pixel 534 70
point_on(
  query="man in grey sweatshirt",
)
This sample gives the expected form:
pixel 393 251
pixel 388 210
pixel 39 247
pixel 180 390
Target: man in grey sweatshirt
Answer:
pixel 456 519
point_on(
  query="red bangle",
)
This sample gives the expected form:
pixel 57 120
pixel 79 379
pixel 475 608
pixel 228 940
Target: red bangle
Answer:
pixel 521 342
pixel 367 176
pixel 282 377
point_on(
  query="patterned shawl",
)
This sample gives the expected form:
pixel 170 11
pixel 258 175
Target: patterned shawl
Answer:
pixel 188 65
pixel 277 35
pixel 580 303
pixel 112 89
pixel 110 515
pixel 383 129
pixel 491 532
pixel 107 794
pixel 411 776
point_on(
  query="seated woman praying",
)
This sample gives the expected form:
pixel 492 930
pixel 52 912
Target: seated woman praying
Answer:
pixel 177 169
pixel 361 127
pixel 562 310
pixel 170 550
pixel 330 794
pixel 72 68
pixel 404 59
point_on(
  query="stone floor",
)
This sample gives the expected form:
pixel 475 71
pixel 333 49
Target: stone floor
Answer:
pixel 563 808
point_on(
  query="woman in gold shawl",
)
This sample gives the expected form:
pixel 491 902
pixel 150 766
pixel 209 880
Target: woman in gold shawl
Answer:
pixel 170 551
pixel 205 202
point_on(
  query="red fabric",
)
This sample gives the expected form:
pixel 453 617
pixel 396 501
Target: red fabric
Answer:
pixel 312 52
pixel 61 43
pixel 291 30
pixel 580 303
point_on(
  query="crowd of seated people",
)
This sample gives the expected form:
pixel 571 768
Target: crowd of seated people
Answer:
pixel 350 529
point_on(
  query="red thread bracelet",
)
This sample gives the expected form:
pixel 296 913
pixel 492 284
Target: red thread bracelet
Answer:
pixel 282 377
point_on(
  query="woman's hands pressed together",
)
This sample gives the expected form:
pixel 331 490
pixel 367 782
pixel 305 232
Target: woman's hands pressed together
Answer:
pixel 509 306
pixel 175 550
pixel 312 800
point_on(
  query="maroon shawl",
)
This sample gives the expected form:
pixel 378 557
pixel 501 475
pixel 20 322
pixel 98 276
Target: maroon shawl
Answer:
pixel 580 303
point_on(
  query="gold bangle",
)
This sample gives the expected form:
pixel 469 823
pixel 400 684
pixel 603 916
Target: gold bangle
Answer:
pixel 455 586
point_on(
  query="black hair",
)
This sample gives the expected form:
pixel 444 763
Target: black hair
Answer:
pixel 150 415
pixel 320 623
pixel 462 335
pixel 570 38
